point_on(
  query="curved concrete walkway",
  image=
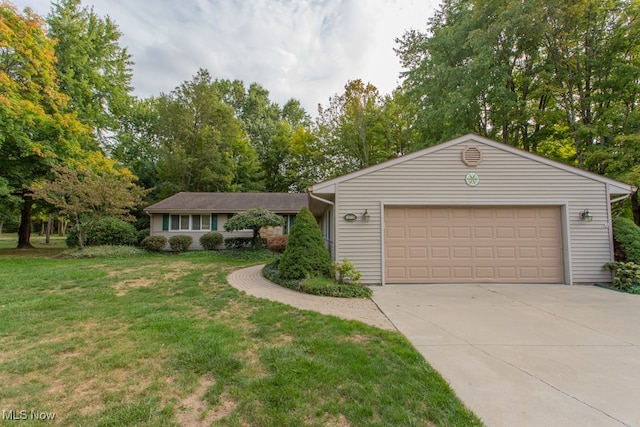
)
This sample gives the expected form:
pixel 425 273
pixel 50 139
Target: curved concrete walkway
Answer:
pixel 251 281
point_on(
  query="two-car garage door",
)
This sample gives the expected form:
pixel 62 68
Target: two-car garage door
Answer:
pixel 473 244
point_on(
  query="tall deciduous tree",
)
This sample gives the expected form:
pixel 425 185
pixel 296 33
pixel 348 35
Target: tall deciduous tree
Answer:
pixel 92 68
pixel 36 131
pixel 352 127
pixel 202 144
pixel 526 73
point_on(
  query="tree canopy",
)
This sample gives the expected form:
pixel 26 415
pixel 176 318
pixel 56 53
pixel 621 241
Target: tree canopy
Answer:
pixel 253 219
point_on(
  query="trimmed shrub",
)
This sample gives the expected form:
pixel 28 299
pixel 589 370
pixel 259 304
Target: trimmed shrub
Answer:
pixel 106 231
pixel 111 231
pixel 627 235
pixel 154 243
pixel 626 276
pixel 142 234
pixel 211 241
pixel 277 244
pixel 306 254
pixel 239 242
pixel 180 243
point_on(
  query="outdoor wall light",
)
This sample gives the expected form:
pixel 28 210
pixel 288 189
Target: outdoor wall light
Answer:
pixel 365 216
pixel 585 215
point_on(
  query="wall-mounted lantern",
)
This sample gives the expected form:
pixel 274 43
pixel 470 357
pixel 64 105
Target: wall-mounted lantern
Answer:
pixel 586 216
pixel 365 216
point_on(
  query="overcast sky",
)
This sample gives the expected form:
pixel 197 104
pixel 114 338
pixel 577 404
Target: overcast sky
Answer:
pixel 303 49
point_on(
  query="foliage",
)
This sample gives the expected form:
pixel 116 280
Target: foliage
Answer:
pixel 37 132
pixel 352 127
pixel 180 243
pixel 321 286
pixel 626 276
pixel 306 254
pixel 154 243
pixel 104 231
pixel 240 243
pixel 254 219
pixel 86 195
pixel 243 254
pixel 277 244
pixel 93 70
pixel 211 241
pixel 525 72
pixel 347 272
pixel 136 143
pixel 202 146
pixel 627 234
pixel 111 231
pixel 141 235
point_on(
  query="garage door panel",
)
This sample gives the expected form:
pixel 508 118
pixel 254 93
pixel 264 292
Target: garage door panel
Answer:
pixel 462 252
pixel 483 232
pixel 473 244
pixel 439 233
pixel 461 233
pixel 418 253
pixel 417 232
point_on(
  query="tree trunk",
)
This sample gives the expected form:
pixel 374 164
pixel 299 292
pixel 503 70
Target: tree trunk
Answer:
pixel 48 231
pixel 24 231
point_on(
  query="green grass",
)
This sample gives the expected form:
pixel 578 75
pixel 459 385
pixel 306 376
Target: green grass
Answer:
pixel 163 340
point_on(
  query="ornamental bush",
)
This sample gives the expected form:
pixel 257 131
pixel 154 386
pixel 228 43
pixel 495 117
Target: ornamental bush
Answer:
pixel 211 241
pixel 627 235
pixel 154 243
pixel 626 276
pixel 112 231
pixel 277 244
pixel 180 243
pixel 105 231
pixel 306 254
pixel 347 273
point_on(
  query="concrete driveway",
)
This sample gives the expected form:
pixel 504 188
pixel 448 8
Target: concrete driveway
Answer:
pixel 528 355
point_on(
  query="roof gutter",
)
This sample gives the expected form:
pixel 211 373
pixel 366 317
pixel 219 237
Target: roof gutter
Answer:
pixel 626 196
pixel 320 199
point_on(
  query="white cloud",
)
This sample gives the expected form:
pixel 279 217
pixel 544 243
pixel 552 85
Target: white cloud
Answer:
pixel 304 49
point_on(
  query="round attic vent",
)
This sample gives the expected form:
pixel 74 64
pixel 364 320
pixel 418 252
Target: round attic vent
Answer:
pixel 471 156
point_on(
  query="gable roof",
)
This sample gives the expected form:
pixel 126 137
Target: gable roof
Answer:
pixel 230 202
pixel 616 187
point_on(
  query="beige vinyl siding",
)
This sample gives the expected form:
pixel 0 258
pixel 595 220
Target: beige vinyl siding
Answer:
pixel 505 179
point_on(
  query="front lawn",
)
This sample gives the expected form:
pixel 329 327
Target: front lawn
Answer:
pixel 162 340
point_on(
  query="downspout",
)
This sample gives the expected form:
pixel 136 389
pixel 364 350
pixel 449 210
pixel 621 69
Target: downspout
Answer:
pixel 610 225
pixel 333 218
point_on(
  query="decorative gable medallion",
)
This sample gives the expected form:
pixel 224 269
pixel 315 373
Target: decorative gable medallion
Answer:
pixel 471 156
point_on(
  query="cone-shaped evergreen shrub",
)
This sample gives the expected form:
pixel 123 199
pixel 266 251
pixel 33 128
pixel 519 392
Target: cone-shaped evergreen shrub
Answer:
pixel 306 254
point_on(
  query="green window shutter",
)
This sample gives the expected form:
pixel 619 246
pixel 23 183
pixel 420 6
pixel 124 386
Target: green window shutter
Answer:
pixel 292 219
pixel 165 222
pixel 214 222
